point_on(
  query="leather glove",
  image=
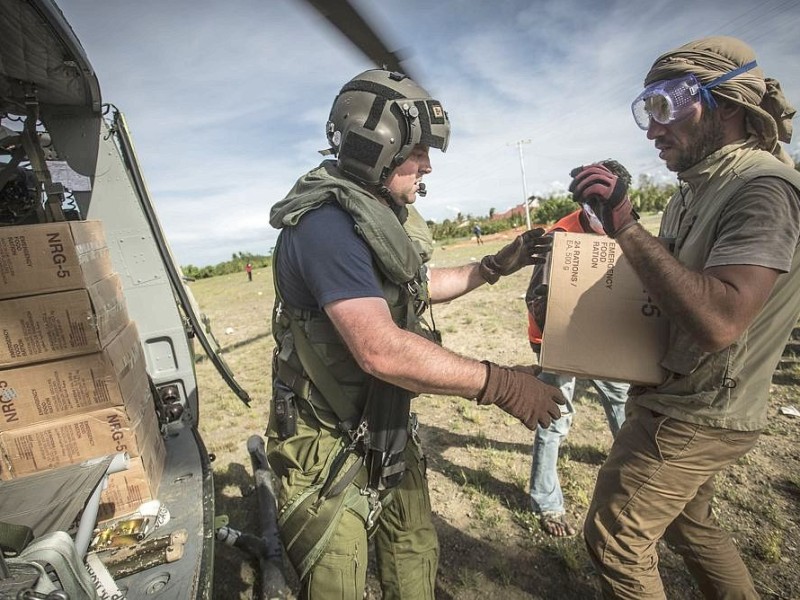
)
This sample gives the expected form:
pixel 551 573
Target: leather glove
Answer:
pixel 606 194
pixel 530 248
pixel 519 393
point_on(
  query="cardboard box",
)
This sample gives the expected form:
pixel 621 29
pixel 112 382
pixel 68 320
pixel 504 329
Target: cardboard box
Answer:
pixel 140 482
pixel 125 492
pixel 601 323
pixel 52 257
pixel 50 326
pixel 46 391
pixel 133 429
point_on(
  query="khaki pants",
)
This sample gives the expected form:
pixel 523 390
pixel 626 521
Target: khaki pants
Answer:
pixel 658 482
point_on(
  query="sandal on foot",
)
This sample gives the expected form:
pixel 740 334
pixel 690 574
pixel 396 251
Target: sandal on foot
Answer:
pixel 556 524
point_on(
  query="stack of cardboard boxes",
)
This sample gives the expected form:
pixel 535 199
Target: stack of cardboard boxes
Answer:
pixel 73 383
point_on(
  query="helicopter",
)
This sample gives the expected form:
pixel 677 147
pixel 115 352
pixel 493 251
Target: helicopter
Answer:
pixel 68 164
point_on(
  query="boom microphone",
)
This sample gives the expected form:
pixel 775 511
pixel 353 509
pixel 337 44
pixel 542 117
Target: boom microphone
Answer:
pixel 421 190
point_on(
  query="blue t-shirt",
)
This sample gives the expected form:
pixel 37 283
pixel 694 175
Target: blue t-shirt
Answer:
pixel 322 259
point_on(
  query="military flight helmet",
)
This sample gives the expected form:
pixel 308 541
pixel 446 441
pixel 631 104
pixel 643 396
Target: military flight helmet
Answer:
pixel 377 119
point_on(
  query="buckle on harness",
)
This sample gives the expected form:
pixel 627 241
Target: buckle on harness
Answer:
pixel 413 425
pixel 375 505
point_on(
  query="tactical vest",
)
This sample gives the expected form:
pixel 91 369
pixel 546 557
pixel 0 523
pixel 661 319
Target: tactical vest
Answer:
pixel 729 388
pixel 401 272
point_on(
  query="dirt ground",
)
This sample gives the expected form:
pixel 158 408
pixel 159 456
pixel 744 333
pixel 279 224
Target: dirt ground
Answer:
pixel 479 459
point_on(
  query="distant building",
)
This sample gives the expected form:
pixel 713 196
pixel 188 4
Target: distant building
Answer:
pixel 516 211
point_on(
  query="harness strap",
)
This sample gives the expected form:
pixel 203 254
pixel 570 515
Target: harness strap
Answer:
pixel 308 521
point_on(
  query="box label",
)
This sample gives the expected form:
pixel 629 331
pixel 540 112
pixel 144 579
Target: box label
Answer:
pixel 51 257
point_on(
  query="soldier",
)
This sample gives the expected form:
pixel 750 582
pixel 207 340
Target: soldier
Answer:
pixel 353 346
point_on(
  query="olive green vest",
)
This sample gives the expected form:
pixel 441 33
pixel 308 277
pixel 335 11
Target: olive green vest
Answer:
pixel 400 269
pixel 730 388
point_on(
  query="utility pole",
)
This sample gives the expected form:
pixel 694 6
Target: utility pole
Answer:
pixel 524 186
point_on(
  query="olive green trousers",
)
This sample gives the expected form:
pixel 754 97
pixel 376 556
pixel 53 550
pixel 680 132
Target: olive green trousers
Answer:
pixel 658 481
pixel 406 545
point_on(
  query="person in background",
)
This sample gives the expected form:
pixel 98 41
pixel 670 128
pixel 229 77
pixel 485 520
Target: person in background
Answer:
pixel 353 346
pixel 477 231
pixel 547 498
pixel 726 270
pixel 249 270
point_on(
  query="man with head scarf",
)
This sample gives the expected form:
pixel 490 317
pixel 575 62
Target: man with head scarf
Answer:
pixel 726 271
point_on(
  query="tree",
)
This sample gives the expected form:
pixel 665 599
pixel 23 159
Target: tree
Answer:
pixel 554 208
pixel 235 265
pixel 650 196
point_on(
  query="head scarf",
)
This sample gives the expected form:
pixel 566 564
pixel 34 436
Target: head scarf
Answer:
pixel 768 113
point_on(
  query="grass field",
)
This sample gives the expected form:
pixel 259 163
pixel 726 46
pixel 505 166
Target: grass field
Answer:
pixel 479 458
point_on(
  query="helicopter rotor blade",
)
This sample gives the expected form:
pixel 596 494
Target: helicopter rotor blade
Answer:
pixel 342 15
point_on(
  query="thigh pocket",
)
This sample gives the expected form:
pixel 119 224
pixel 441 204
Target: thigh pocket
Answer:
pixel 340 572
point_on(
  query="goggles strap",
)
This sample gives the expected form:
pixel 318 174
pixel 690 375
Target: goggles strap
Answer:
pixel 705 90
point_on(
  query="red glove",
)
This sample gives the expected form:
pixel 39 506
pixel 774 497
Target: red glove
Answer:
pixel 521 394
pixel 530 248
pixel 606 194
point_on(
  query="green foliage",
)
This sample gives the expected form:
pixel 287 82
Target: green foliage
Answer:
pixel 767 545
pixel 447 229
pixel 235 265
pixel 648 197
pixel 554 208
pixel 651 197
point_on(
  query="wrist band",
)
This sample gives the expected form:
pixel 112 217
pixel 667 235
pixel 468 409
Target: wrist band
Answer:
pixel 488 273
pixel 487 364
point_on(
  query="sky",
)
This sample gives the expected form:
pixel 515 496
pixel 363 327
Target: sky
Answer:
pixel 227 101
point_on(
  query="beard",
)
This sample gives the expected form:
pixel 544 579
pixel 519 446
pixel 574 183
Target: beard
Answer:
pixel 708 139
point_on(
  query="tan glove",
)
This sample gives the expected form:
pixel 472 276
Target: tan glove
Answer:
pixel 530 248
pixel 519 392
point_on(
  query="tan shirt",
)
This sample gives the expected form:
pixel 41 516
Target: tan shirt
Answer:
pixel 740 206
